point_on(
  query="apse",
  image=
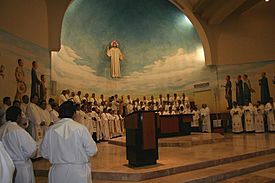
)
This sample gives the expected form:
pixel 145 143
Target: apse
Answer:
pixel 161 49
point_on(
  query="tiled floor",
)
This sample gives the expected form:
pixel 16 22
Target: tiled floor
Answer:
pixel 112 158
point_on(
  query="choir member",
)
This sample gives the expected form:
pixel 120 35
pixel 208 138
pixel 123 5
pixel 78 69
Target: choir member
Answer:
pixel 6 103
pixel 259 117
pixel 77 98
pixel 160 99
pixel 45 116
pixel 93 98
pixel 6 166
pixel 62 97
pixel 54 113
pixel 68 145
pixel 105 125
pixel 19 145
pixel 67 94
pixel 24 103
pixel 51 101
pixel 117 124
pixel 111 121
pixel 86 97
pixel 270 108
pixel 196 117
pixel 101 99
pixel 249 118
pixel 205 115
pixel 187 109
pixel 236 114
pixel 239 91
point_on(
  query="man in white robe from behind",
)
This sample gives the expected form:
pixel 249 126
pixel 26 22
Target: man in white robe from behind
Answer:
pixel 19 145
pixel 6 166
pixel 270 110
pixel 236 114
pixel 205 116
pixel 69 146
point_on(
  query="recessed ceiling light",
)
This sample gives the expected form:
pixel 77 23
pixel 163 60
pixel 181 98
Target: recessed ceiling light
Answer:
pixel 266 0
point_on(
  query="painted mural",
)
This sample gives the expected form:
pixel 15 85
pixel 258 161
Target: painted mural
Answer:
pixel 162 51
pixel 13 48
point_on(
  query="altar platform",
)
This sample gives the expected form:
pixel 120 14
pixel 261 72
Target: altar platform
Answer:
pixel 234 155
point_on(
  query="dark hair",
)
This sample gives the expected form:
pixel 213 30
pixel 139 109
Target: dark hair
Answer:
pixel 19 60
pixel 15 101
pixel 67 109
pixel 228 76
pixel 25 96
pixel 33 62
pixel 12 113
pixel 42 76
pixel 51 100
pixel 5 99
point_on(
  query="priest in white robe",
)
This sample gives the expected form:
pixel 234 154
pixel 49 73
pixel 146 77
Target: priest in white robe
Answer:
pixel 236 114
pixel 105 125
pixel 259 118
pixel 249 118
pixel 196 117
pixel 116 56
pixel 205 116
pixel 270 110
pixel 19 145
pixel 68 146
pixel 6 166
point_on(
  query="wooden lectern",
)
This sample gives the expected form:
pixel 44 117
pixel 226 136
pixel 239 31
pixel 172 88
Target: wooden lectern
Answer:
pixel 141 138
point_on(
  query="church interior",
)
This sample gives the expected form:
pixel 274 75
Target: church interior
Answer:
pixel 160 91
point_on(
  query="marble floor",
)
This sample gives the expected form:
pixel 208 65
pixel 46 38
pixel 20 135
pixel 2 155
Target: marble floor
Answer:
pixel 112 158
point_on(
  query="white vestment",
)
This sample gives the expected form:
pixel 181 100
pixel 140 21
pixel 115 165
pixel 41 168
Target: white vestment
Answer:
pixel 20 147
pixel 117 125
pixel 34 116
pixel 196 119
pixel 62 99
pixel 116 57
pixel 54 115
pixel 236 114
pixel 111 122
pixel 97 125
pixel 23 107
pixel 259 119
pixel 249 118
pixel 79 117
pixel 206 123
pixel 6 166
pixel 68 146
pixel 77 99
pixel 105 126
pixel 270 116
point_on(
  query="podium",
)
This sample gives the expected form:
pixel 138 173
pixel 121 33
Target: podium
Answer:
pixel 141 138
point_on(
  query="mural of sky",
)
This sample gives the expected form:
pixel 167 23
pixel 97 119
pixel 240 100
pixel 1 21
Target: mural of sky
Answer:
pixel 162 49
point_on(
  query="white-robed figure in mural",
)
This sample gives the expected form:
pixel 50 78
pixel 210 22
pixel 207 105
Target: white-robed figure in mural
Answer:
pixel 116 56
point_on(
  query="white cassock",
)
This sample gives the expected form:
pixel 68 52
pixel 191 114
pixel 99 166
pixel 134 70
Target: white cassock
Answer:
pixel 270 116
pixel 196 119
pixel 111 121
pixel 187 111
pixel 105 126
pixel 62 99
pixel 249 118
pixel 116 57
pixel 21 147
pixel 6 166
pixel 206 123
pixel 46 117
pixel 117 125
pixel 79 117
pixel 68 146
pixel 121 124
pixel 23 107
pixel 54 115
pixel 259 119
pixel 97 125
pixel 34 116
pixel 168 113
pixel 89 123
pixel 77 99
pixel 236 114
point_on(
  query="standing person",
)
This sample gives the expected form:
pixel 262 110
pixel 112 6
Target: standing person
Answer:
pixel 62 97
pixel 259 117
pixel 68 145
pixel 265 95
pixel 35 81
pixel 19 145
pixel 247 89
pixel 228 92
pixel 6 103
pixel 270 108
pixel 43 88
pixel 205 116
pixel 77 98
pixel 249 118
pixel 239 91
pixel 24 104
pixel 6 166
pixel 236 114
pixel 20 79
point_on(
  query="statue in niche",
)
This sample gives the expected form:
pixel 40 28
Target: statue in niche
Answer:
pixel 116 56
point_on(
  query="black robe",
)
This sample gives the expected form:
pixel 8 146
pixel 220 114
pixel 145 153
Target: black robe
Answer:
pixel 35 83
pixel 246 92
pixel 265 95
pixel 239 92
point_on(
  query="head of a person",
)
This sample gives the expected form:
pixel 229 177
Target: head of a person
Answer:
pixel 43 104
pixel 245 76
pixel 25 99
pixel 16 103
pixel 51 101
pixel 20 62
pixel 14 114
pixel 246 103
pixel 160 95
pixel 181 108
pixel 175 95
pixel 93 95
pixel 64 92
pixel 170 109
pixel 67 92
pixel 67 110
pixel 271 100
pixel 114 44
pixel 263 74
pixel 188 105
pixel 227 78
pixel 79 93
pixel 87 95
pixel 72 94
pixel 34 65
pixel 239 77
pixel 77 107
pixel 101 96
pixel 183 96
pixel 168 95
pixel 7 101
pixel 234 104
pixel 42 77
pixel 2 115
pixel 55 107
pixel 34 99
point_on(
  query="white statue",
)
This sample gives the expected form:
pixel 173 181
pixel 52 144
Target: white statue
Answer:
pixel 116 56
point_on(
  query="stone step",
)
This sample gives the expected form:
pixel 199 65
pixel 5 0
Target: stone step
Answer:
pixel 189 168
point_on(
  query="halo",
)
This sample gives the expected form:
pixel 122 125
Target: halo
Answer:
pixel 113 42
